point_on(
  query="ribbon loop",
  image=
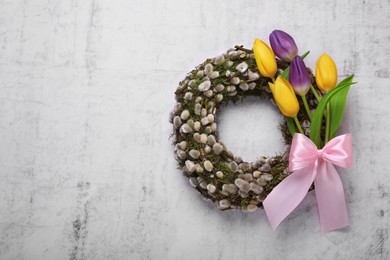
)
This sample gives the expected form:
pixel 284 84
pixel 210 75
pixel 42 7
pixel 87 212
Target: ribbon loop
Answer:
pixel 338 151
pixel 309 165
pixel 303 153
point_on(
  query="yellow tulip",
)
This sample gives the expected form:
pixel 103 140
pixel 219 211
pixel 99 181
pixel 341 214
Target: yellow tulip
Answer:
pixel 285 97
pixel 265 58
pixel 326 73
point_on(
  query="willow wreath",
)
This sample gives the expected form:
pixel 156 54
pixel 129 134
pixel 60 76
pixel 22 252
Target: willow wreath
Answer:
pixel 211 168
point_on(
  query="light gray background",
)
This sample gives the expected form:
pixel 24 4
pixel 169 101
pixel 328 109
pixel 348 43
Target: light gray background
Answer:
pixel 86 166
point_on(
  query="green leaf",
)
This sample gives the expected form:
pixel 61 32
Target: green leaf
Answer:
pixel 287 70
pixel 303 56
pixel 291 125
pixel 315 128
pixel 337 107
pixel 285 73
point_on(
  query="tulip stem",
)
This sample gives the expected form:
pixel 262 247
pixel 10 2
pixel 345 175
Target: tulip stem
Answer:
pixel 315 93
pixel 298 124
pixel 306 106
pixel 327 123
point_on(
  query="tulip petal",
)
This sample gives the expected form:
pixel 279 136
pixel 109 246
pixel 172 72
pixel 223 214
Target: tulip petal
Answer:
pixel 271 86
pixel 283 45
pixel 326 73
pixel 265 58
pixel 285 97
pixel 299 76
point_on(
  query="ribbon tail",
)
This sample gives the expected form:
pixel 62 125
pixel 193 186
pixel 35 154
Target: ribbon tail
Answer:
pixel 287 195
pixel 330 198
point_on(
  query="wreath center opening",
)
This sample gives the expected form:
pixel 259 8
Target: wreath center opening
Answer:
pixel 250 128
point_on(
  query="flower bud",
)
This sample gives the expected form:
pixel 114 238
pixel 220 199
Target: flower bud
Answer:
pixel 326 73
pixel 285 97
pixel 265 58
pixel 283 45
pixel 299 76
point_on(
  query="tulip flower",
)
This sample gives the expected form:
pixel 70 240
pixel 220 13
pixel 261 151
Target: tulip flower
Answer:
pixel 326 79
pixel 299 76
pixel 283 45
pixel 326 73
pixel 285 97
pixel 300 81
pixel 265 59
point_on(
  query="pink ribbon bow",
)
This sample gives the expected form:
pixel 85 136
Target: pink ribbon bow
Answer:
pixel 308 164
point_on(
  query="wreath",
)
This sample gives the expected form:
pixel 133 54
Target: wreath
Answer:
pixel 211 168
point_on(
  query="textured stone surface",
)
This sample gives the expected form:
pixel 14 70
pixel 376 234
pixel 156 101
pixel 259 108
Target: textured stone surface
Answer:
pixel 86 167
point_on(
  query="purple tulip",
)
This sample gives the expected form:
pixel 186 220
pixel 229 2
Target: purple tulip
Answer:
pixel 299 76
pixel 283 45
